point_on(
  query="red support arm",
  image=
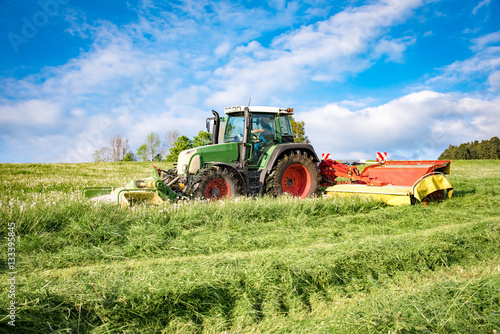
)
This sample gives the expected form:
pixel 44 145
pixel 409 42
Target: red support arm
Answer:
pixel 332 169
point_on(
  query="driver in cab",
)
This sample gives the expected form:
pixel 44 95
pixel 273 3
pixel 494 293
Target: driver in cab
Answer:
pixel 260 128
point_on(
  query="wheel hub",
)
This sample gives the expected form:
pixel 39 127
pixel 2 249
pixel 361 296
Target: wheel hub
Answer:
pixel 215 192
pixel 296 181
pixel 217 189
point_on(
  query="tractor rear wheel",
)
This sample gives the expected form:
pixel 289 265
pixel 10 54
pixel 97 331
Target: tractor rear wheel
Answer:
pixel 295 174
pixel 215 183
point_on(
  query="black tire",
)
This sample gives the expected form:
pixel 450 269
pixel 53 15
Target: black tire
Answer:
pixel 295 174
pixel 216 183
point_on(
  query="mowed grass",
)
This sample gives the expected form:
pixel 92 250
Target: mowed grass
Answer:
pixel 268 265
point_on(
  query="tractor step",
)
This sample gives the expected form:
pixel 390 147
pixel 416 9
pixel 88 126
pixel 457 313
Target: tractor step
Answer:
pixel 254 185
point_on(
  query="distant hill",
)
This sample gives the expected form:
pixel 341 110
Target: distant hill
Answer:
pixel 486 149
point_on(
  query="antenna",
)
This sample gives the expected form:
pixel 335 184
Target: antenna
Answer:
pixel 249 100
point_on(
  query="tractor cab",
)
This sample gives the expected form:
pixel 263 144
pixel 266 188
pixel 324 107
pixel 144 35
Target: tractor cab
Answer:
pixel 257 129
pixel 252 150
pixel 273 124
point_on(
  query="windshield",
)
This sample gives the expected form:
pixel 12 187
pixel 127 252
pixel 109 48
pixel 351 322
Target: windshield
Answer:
pixel 234 129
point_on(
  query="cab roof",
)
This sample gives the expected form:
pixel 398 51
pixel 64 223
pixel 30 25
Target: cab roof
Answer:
pixel 256 109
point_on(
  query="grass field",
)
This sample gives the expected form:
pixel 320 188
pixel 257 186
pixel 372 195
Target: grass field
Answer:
pixel 248 265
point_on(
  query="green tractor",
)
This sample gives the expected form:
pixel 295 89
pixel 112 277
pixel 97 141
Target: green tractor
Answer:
pixel 252 153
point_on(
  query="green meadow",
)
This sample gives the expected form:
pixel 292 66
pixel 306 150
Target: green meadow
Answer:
pixel 266 265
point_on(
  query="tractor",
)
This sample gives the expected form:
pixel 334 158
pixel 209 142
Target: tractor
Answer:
pixel 252 153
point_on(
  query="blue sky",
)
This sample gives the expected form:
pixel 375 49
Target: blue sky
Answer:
pixel 407 77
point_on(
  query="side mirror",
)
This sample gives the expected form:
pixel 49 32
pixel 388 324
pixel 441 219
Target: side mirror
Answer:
pixel 209 124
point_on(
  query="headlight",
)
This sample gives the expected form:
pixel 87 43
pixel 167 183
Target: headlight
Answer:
pixel 183 160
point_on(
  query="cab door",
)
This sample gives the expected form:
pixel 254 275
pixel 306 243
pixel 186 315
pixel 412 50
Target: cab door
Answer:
pixel 262 136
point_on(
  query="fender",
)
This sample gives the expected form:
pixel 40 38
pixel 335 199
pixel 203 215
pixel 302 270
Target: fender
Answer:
pixel 281 150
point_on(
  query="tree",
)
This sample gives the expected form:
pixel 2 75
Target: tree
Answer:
pixel 181 144
pixel 142 152
pixel 115 151
pixel 449 153
pixel 486 149
pixel 101 155
pixel 463 152
pixel 129 157
pixel 153 143
pixel 483 149
pixel 203 138
pixel 495 148
pixel 151 147
pixel 118 147
pixel 170 138
pixel 299 133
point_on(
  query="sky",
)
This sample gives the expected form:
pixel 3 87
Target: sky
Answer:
pixel 405 77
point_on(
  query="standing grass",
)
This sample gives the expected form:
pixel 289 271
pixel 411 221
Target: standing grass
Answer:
pixel 269 265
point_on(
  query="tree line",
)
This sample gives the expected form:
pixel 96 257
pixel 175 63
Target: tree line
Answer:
pixel 153 148
pixel 486 149
pixel 168 149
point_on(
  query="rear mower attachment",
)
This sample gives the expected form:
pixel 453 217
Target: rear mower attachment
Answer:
pixel 394 182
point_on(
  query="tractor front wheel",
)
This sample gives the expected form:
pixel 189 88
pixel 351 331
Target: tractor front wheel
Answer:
pixel 214 184
pixel 295 174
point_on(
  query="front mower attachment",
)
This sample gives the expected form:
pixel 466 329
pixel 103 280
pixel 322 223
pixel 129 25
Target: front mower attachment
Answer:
pixel 151 190
pixel 93 192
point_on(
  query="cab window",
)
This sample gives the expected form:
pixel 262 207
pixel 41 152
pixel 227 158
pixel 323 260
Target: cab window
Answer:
pixel 285 127
pixel 265 126
pixel 234 129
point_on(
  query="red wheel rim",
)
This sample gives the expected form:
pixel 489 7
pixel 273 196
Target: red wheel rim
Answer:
pixel 296 181
pixel 217 189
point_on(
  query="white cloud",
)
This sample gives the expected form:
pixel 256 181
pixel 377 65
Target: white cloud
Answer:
pixel 38 114
pixel 78 112
pixel 317 12
pixel 187 119
pixel 418 125
pixel 394 49
pixel 494 81
pixel 278 4
pixel 481 42
pixel 475 69
pixel 45 148
pixel 471 31
pixel 347 42
pixel 187 96
pixel 479 5
pixel 362 103
pixel 223 49
pixel 78 25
